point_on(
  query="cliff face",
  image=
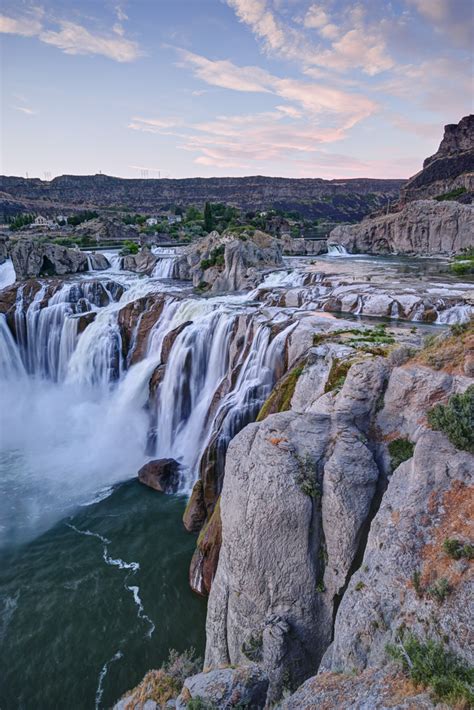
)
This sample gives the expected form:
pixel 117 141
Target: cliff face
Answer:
pixel 450 168
pixel 332 199
pixel 422 227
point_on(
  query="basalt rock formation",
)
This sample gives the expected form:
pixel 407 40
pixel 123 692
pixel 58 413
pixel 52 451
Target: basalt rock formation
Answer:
pixel 422 227
pixel 450 168
pixel 314 198
pixel 229 262
pixel 418 223
pixel 32 258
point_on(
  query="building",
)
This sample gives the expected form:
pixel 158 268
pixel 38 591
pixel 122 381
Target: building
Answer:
pixel 151 222
pixel 61 219
pixel 43 222
pixel 174 218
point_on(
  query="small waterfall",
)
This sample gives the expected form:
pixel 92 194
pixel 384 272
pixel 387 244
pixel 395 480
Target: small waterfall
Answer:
pixel 7 274
pixel 11 364
pixel 337 250
pixel 164 268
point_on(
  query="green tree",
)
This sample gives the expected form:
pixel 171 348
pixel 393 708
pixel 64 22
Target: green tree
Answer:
pixel 208 220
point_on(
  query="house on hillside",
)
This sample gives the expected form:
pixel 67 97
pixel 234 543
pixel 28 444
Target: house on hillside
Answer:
pixel 151 222
pixel 174 218
pixel 43 222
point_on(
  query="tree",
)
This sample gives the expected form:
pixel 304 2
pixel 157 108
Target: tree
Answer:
pixel 208 221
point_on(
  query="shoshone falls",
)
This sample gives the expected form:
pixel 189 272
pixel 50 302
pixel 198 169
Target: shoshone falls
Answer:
pixel 103 371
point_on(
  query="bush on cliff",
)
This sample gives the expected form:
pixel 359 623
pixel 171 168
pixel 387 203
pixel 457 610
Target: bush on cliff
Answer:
pixel 400 450
pixel 429 664
pixel 165 684
pixel 456 419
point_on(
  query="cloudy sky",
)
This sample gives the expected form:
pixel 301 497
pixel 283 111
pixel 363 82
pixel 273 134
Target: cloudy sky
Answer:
pixel 231 87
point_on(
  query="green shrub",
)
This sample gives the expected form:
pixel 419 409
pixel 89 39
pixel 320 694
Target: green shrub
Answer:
pixel 451 195
pixel 456 419
pixel 306 477
pixel 216 258
pixel 429 664
pixel 457 550
pixel 439 590
pixel 337 374
pixel 400 450
pixel 131 247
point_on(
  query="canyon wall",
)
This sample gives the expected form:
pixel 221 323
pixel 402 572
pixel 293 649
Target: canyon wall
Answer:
pixel 338 200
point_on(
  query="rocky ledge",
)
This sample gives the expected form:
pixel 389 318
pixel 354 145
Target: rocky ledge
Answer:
pixel 346 538
pixel 423 227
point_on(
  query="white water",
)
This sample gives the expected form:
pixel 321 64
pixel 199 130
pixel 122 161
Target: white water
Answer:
pixel 164 268
pixel 7 274
pixel 73 420
pixel 337 250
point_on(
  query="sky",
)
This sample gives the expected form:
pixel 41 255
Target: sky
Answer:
pixel 185 88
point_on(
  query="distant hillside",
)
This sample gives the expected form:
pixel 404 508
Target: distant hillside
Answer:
pixel 338 200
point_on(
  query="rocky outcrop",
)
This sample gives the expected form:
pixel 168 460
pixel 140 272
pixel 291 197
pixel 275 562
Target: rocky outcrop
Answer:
pixel 418 224
pixel 142 263
pixel 348 199
pixel 98 261
pixel 373 689
pixel 33 258
pixel 311 532
pixel 229 262
pixel 283 564
pixel 105 229
pixel 450 168
pixel 429 498
pixel 160 474
pixel 304 247
pixel 422 227
pixel 226 688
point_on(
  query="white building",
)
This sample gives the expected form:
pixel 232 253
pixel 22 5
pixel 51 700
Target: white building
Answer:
pixel 174 218
pixel 41 221
pixel 61 219
pixel 152 222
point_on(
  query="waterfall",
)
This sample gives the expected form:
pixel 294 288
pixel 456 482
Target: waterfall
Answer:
pixel 164 268
pixel 337 250
pixel 7 274
pixel 11 364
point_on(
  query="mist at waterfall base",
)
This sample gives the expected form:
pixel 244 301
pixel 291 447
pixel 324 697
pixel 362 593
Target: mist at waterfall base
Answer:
pixel 94 566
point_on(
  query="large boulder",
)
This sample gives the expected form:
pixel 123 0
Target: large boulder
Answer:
pixel 160 474
pixel 98 261
pixel 32 258
pixel 226 688
pixel 142 263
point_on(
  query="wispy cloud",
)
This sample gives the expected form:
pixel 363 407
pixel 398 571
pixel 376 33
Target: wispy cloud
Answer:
pixel 73 38
pixel 152 125
pixel 351 42
pixel 26 110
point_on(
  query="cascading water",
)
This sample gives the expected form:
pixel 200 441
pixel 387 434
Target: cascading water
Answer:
pixel 165 267
pixel 337 250
pixel 7 274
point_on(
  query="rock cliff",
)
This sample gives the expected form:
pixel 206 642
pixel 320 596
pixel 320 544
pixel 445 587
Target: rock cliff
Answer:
pixel 332 199
pixel 419 224
pixel 451 167
pixel 422 227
